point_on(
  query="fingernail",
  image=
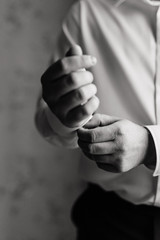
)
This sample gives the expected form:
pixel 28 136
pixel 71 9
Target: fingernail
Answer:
pixel 93 60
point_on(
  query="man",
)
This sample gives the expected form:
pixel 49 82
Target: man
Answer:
pixel 117 58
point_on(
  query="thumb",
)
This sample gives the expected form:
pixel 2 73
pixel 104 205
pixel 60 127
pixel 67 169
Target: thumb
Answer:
pixel 100 120
pixel 74 50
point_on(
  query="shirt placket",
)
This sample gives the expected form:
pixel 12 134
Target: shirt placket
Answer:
pixel 157 112
pixel 157 90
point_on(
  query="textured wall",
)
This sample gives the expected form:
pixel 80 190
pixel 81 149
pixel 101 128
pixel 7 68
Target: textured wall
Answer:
pixel 37 184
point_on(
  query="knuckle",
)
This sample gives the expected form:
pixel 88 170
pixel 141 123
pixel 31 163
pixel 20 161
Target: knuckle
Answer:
pixel 89 75
pixel 118 145
pixel 116 134
pixel 118 130
pixel 120 164
pixel 91 148
pixel 122 126
pixel 113 135
pixel 64 66
pixel 92 136
pixel 95 104
pixel 122 147
pixel 84 111
pixel 72 80
pixel 122 168
pixel 94 88
pixel 91 90
pixel 79 94
pixel 115 148
pixel 68 82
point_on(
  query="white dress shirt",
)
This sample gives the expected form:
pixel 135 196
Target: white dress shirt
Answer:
pixel 124 36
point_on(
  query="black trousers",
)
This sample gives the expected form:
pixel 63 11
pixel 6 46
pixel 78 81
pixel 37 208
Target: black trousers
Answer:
pixel 101 215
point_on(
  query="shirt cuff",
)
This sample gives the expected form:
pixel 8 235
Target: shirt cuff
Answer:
pixel 60 128
pixel 155 132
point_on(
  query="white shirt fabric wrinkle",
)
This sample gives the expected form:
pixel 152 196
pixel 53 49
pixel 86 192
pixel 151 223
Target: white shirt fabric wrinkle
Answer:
pixel 124 36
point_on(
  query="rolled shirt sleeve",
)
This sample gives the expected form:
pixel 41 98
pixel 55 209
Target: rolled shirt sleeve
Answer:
pixel 155 132
pixel 53 130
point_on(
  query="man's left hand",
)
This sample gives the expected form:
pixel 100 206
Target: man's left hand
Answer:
pixel 116 145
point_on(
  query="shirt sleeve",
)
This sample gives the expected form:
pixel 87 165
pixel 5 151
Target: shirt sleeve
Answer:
pixel 52 129
pixel 70 33
pixel 155 132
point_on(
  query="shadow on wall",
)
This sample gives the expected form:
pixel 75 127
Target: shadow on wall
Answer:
pixel 37 184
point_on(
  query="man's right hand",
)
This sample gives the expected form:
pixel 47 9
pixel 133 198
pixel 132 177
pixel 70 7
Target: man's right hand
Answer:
pixel 68 90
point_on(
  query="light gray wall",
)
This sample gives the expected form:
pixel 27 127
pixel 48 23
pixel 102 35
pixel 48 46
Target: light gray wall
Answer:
pixel 37 181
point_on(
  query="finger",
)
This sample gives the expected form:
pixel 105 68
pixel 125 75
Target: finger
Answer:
pixel 104 162
pixel 74 50
pixel 79 114
pixel 98 134
pixel 101 120
pixel 67 84
pixel 107 167
pixel 106 159
pixel 98 148
pixel 77 97
pixel 67 65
